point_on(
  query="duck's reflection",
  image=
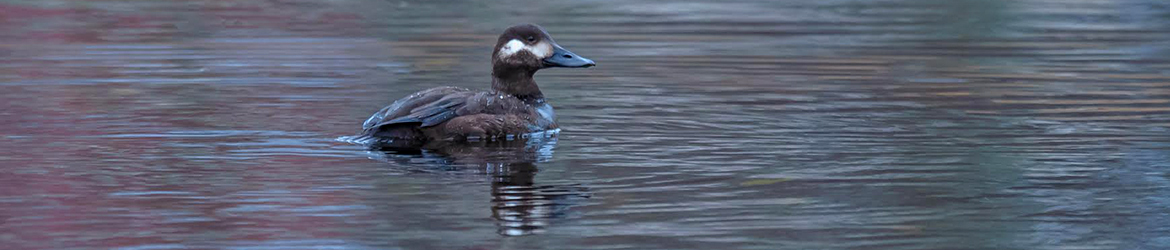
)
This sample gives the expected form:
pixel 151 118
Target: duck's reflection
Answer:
pixel 520 206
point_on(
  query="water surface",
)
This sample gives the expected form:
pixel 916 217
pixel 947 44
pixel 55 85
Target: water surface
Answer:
pixel 893 124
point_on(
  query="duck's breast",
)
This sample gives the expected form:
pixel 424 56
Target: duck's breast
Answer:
pixel 547 119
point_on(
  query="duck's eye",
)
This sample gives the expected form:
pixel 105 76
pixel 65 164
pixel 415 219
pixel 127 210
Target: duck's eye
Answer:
pixel 531 39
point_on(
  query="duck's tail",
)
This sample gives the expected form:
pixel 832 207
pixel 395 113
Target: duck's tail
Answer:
pixel 365 140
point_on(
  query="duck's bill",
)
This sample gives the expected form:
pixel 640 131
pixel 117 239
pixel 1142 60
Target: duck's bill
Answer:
pixel 564 58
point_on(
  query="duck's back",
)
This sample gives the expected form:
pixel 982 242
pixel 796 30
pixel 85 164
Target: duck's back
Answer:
pixel 453 113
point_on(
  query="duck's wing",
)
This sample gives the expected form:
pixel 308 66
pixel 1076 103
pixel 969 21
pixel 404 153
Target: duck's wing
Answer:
pixel 428 107
pixel 437 105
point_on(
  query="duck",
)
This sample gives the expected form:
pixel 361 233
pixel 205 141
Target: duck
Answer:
pixel 513 106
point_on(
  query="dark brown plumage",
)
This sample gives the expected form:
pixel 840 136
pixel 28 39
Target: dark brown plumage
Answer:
pixel 513 106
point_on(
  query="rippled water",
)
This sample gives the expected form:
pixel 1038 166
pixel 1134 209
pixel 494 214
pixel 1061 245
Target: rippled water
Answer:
pixel 890 124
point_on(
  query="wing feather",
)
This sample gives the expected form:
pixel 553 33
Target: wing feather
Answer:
pixel 405 117
pixel 425 108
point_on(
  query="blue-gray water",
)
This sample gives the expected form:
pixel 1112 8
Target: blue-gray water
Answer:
pixel 890 124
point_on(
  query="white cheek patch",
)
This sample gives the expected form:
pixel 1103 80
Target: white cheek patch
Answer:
pixel 511 48
pixel 540 50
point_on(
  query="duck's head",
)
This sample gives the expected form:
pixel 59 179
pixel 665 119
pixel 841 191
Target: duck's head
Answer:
pixel 527 48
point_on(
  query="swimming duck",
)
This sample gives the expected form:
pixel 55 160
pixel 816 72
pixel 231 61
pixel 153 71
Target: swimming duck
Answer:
pixel 513 106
